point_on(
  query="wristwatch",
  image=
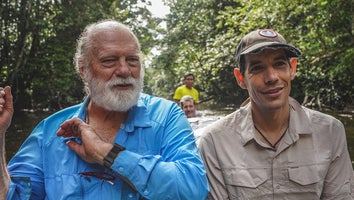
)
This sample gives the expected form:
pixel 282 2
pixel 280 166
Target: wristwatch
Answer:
pixel 112 155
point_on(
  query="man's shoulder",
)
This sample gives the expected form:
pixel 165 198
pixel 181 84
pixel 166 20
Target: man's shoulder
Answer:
pixel 52 122
pixel 153 102
pixel 223 124
pixel 309 120
pixel 311 113
pixel 178 92
pixel 320 117
pixel 157 108
pixel 153 99
pixel 194 89
pixel 181 87
pixel 64 113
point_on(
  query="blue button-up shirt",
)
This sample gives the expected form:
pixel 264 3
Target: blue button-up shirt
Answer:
pixel 161 160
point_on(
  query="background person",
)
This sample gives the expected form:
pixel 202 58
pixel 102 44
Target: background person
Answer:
pixel 187 89
pixel 117 144
pixel 272 147
pixel 187 105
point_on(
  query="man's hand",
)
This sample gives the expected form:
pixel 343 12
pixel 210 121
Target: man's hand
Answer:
pixel 93 149
pixel 6 109
pixel 6 112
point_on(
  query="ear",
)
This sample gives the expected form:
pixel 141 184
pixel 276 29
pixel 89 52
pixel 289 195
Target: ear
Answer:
pixel 293 63
pixel 239 78
pixel 82 70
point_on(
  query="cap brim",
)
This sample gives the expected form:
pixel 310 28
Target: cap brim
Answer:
pixel 291 50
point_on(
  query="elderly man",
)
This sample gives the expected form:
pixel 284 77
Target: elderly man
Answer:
pixel 272 147
pixel 117 144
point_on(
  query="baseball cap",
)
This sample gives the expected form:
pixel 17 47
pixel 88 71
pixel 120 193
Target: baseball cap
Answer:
pixel 256 41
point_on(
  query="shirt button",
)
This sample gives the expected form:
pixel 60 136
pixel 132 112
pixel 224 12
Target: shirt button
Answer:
pixel 120 169
pixel 278 187
pixel 130 195
pixel 146 192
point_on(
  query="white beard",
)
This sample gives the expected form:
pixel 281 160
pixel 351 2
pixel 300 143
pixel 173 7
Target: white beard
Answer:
pixel 101 93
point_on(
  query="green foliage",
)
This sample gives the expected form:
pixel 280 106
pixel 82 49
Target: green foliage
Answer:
pixel 38 41
pixel 202 36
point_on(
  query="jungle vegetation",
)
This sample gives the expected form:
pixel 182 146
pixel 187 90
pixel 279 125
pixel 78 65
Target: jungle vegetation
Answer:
pixel 38 40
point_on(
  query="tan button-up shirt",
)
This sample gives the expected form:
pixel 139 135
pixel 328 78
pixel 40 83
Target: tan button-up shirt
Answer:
pixel 312 160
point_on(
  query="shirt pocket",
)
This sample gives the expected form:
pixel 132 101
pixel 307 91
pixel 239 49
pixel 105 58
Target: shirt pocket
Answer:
pixel 242 183
pixel 305 175
pixel 77 186
pixel 307 179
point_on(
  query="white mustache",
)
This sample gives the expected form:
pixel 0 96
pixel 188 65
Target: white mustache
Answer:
pixel 122 81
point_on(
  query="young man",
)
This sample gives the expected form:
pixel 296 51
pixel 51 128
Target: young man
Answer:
pixel 272 147
pixel 187 89
pixel 118 144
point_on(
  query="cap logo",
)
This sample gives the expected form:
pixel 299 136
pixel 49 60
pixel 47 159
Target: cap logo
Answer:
pixel 268 33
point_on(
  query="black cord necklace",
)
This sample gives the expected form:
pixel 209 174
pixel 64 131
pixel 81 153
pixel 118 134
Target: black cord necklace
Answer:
pixel 275 144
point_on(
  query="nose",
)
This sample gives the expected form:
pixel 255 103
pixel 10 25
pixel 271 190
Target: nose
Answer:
pixel 123 68
pixel 271 75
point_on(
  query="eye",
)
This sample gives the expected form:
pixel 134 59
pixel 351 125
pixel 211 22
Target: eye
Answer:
pixel 280 64
pixel 109 62
pixel 255 69
pixel 133 60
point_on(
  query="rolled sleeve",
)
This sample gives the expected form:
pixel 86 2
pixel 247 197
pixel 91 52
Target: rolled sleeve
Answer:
pixel 20 188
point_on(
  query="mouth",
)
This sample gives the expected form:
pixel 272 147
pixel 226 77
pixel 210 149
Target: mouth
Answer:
pixel 122 86
pixel 273 92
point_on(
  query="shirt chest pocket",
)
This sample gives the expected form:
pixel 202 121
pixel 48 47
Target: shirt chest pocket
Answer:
pixel 245 177
pixel 80 186
pixel 305 175
pixel 254 183
pixel 307 180
pixel 243 183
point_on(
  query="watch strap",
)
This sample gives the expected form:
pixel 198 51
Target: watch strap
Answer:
pixel 112 155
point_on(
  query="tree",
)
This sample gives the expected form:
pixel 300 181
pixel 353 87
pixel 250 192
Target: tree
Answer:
pixel 38 42
pixel 202 37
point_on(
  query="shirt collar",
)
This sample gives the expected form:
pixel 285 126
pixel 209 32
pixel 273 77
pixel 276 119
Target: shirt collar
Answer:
pixel 138 115
pixel 299 123
pixel 81 112
pixel 246 122
pixel 299 120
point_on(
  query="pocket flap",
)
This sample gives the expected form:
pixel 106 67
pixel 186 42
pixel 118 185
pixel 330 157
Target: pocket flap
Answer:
pixel 251 178
pixel 304 175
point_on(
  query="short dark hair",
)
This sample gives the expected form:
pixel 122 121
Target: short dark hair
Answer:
pixel 188 74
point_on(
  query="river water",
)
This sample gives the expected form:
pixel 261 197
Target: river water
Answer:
pixel 24 122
